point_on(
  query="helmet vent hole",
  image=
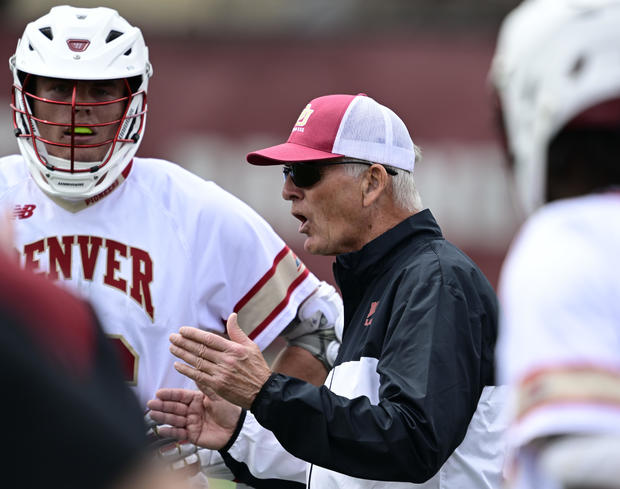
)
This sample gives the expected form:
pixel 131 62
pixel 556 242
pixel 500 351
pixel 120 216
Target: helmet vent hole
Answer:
pixel 128 52
pixel 113 35
pixel 47 32
pixel 578 66
pixel 30 47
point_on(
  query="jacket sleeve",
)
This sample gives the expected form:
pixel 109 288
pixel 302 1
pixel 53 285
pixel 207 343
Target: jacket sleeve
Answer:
pixel 429 382
pixel 255 457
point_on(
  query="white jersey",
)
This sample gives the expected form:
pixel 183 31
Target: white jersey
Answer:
pixel 559 341
pixel 158 251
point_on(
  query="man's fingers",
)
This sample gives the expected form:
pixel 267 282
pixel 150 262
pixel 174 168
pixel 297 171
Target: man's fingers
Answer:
pixel 196 375
pixel 211 341
pixel 166 417
pixel 197 354
pixel 197 361
pixel 185 396
pixel 235 332
pixel 170 407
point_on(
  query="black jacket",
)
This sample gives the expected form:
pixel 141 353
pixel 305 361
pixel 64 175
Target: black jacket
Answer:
pixel 418 346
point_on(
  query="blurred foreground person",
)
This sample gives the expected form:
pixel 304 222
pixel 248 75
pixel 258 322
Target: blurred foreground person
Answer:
pixel 411 400
pixel 63 388
pixel 556 73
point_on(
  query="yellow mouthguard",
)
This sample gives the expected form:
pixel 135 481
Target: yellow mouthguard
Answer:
pixel 83 130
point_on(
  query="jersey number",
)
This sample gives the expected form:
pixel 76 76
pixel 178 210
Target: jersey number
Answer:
pixel 128 356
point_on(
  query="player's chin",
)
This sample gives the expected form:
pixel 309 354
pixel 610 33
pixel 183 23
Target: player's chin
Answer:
pixel 86 155
pixel 90 154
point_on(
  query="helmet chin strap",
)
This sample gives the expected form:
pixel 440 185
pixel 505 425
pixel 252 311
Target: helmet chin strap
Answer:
pixel 55 175
pixel 77 165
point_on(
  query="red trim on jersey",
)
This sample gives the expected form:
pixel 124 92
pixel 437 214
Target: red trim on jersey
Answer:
pixel 569 367
pixel 127 169
pixel 566 399
pixel 584 401
pixel 280 306
pixel 263 280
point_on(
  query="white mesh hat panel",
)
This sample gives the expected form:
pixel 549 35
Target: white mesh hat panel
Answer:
pixel 372 132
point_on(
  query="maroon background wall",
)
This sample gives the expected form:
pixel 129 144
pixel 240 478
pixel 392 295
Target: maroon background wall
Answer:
pixel 435 82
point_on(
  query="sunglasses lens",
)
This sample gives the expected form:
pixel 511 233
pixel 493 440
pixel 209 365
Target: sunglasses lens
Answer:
pixel 303 175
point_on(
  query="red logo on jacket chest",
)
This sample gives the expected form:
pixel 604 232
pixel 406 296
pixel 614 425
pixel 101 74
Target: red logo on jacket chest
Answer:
pixel 371 313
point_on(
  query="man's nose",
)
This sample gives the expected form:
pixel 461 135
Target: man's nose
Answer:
pixel 82 96
pixel 290 191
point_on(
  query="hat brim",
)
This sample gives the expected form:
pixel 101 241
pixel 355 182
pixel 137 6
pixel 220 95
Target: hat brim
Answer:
pixel 286 153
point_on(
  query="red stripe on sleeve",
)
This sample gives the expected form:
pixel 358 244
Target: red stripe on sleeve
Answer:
pixel 270 273
pixel 280 306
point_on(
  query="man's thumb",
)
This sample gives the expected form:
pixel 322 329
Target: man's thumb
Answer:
pixel 235 333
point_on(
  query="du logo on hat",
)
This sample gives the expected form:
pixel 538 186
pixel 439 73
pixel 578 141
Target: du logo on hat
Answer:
pixel 303 118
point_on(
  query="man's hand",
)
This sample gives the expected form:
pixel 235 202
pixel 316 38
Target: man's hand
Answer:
pixel 235 369
pixel 205 420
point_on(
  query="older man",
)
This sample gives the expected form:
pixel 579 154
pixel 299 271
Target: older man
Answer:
pixel 411 398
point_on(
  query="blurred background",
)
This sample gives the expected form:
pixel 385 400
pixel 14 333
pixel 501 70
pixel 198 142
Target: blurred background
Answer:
pixel 231 76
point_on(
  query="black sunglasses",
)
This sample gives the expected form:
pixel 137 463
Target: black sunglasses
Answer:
pixel 305 175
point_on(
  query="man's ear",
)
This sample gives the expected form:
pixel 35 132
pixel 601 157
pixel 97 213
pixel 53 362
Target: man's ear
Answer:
pixel 374 184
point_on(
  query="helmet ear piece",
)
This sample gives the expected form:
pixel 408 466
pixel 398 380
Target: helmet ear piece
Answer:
pixel 22 78
pixel 135 82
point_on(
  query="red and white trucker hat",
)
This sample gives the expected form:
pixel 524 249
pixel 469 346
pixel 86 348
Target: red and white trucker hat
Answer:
pixel 334 126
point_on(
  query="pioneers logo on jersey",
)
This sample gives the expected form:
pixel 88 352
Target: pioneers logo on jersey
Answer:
pixel 101 195
pixel 371 313
pixel 23 211
pixel 303 119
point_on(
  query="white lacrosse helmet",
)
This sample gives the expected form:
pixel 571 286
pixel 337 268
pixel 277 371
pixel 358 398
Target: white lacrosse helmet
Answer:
pixel 554 59
pixel 79 44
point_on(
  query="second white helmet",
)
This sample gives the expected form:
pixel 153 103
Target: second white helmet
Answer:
pixel 554 59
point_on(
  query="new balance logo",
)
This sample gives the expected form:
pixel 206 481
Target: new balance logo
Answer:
pixel 23 211
pixel 371 313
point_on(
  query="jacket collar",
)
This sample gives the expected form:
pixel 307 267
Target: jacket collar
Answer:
pixel 380 253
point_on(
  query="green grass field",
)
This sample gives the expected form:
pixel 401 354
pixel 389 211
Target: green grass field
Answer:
pixel 220 484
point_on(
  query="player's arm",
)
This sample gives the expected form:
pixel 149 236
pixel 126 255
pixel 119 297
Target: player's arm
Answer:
pixel 313 337
pixel 301 363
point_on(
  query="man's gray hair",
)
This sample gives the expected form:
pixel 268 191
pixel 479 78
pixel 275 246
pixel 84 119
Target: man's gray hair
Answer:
pixel 406 194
